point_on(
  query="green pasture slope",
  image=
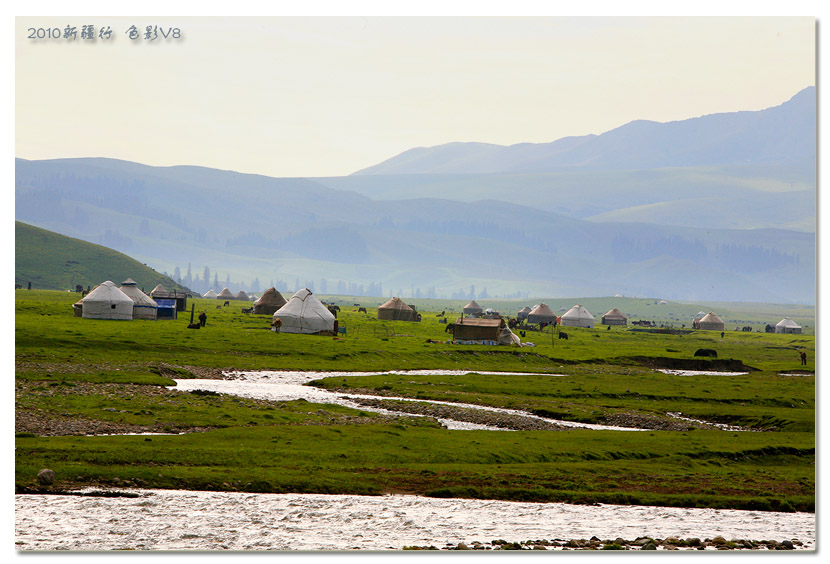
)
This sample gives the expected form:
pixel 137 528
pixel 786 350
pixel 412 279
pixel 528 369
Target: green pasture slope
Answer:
pixel 41 258
pixel 113 372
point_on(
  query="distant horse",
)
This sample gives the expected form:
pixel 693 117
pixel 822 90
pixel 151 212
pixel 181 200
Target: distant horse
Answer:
pixel 563 335
pixel 362 310
pixel 449 327
pixel 227 303
pixel 247 310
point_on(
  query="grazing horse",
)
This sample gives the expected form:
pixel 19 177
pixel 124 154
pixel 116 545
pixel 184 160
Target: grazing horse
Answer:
pixel 227 303
pixel 707 352
pixel 362 310
pixel 247 310
pixel 449 327
pixel 563 335
pixel 276 324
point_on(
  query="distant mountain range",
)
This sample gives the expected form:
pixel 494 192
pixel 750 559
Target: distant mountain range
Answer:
pixel 693 230
pixel 780 136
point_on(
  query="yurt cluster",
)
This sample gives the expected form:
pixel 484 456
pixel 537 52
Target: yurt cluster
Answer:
pixel 305 313
pixel 127 302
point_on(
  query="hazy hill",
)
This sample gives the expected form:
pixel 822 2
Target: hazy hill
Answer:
pixel 782 135
pixel 741 170
pixel 55 262
pixel 250 226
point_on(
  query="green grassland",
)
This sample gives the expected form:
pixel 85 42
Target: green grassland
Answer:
pixel 115 371
pixel 40 259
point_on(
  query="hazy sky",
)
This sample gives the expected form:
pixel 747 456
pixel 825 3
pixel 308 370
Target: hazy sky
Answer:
pixel 329 96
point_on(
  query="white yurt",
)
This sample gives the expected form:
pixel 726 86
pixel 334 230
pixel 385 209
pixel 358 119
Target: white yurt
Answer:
pixel 304 313
pixel 787 325
pixel 144 307
pixel 210 295
pixel 106 301
pixel 578 316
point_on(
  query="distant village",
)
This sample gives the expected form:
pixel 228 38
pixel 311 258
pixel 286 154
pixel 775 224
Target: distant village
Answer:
pixel 303 312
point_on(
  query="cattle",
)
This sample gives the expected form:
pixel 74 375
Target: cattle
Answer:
pixel 276 323
pixel 563 335
pixel 707 352
pixel 227 303
pixel 247 310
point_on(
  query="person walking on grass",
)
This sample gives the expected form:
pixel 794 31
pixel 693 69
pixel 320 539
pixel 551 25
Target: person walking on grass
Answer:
pixel 803 358
pixel 202 319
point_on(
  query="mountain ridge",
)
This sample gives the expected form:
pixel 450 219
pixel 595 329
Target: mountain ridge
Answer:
pixel 732 137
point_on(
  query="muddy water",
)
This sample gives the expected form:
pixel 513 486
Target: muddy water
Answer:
pixel 185 520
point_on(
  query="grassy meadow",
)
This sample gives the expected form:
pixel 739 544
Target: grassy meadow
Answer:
pixel 109 372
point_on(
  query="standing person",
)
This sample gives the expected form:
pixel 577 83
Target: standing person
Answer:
pixel 202 319
pixel 803 357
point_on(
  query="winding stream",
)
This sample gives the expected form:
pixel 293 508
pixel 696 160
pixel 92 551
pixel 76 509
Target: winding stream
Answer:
pixel 289 385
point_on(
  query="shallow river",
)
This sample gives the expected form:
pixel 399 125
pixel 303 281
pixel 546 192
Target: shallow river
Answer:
pixel 183 520
pixel 289 385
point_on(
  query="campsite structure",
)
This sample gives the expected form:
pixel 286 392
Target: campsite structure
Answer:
pixel 709 322
pixel 240 295
pixel 269 302
pixel 522 315
pixel 161 293
pixel 304 313
pixel 209 295
pixel 578 316
pixel 397 310
pixel 614 317
pixel 787 325
pixel 541 314
pixel 225 294
pixel 472 330
pixel 473 309
pixel 106 301
pixel 144 307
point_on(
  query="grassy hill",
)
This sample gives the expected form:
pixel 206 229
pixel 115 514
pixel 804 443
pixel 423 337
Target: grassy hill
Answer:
pixel 54 262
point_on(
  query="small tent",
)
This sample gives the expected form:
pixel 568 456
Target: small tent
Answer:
pixel 242 296
pixel 225 294
pixel 304 313
pixel 541 314
pixel 614 317
pixel 787 325
pixel 106 301
pixel 523 313
pixel 473 309
pixel 144 307
pixel 161 293
pixel 710 322
pixel 210 295
pixel 269 302
pixel 470 330
pixel 396 310
pixel 578 316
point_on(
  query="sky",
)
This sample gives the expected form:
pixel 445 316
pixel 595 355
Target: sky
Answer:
pixel 327 96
